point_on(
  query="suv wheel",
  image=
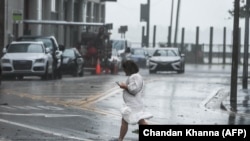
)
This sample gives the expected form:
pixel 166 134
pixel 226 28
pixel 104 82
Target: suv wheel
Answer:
pixel 45 76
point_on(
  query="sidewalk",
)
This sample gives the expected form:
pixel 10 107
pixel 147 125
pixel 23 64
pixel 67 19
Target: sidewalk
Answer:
pixel 242 105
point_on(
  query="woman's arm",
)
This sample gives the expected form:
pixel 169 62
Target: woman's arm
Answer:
pixel 123 86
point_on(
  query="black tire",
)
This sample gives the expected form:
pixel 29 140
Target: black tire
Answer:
pixel 59 73
pixel 182 69
pixel 82 72
pixel 111 68
pixel 45 76
pixel 75 71
pixel 51 76
pixel 152 71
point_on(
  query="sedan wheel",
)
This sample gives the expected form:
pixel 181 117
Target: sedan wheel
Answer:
pixel 82 72
pixel 152 71
pixel 76 70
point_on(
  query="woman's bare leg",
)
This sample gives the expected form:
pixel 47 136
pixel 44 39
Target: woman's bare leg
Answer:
pixel 142 122
pixel 123 130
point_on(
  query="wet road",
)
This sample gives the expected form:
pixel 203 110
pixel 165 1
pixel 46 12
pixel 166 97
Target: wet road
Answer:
pixel 87 108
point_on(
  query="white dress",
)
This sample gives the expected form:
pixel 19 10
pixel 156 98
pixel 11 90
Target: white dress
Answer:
pixel 133 109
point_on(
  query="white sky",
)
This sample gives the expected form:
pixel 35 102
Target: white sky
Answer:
pixel 193 13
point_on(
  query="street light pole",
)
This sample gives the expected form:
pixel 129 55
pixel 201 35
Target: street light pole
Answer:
pixel 171 26
pixel 148 25
pixel 177 22
pixel 2 25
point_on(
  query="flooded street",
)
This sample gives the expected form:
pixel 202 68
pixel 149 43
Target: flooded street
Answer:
pixel 87 108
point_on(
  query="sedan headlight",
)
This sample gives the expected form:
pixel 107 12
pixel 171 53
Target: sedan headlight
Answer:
pixel 71 61
pixel 152 62
pixel 41 60
pixel 5 60
pixel 178 62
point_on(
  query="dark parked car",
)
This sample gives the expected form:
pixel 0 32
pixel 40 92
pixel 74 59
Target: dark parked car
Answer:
pixel 139 56
pixel 167 59
pixel 73 62
pixel 0 75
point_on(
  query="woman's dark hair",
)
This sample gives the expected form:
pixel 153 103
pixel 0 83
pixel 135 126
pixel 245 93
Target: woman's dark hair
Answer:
pixel 130 67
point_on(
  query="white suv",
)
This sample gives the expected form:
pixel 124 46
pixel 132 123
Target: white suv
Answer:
pixel 27 58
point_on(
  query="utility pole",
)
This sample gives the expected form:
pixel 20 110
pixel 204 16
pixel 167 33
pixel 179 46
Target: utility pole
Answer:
pixel 171 25
pixel 177 22
pixel 148 24
pixel 234 70
pixel 145 17
pixel 246 43
pixel 2 20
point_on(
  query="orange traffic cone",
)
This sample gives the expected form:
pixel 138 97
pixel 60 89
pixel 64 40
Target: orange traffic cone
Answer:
pixel 98 67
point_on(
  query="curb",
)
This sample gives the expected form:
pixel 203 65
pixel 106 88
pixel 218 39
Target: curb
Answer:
pixel 242 105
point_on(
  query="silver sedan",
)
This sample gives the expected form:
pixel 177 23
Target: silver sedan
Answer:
pixel 167 59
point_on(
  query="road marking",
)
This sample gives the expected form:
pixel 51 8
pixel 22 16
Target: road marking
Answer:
pixel 40 114
pixel 44 131
pixel 7 107
pixel 60 96
pixel 13 107
pixel 50 108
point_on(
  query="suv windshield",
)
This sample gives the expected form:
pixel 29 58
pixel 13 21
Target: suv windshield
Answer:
pixel 46 41
pixel 25 48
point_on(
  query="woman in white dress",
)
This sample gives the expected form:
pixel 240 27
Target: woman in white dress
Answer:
pixel 133 92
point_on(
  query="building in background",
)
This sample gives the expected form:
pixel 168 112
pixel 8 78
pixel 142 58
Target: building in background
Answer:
pixel 60 18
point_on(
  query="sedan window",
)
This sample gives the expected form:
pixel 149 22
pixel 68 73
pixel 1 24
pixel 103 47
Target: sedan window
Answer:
pixel 165 53
pixel 69 53
pixel 138 52
pixel 171 53
pixel 47 43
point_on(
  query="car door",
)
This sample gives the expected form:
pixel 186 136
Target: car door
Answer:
pixel 49 58
pixel 79 58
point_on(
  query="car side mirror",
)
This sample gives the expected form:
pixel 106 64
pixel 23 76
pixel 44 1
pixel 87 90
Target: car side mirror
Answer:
pixel 47 50
pixel 4 50
pixel 182 55
pixel 127 50
pixel 58 53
